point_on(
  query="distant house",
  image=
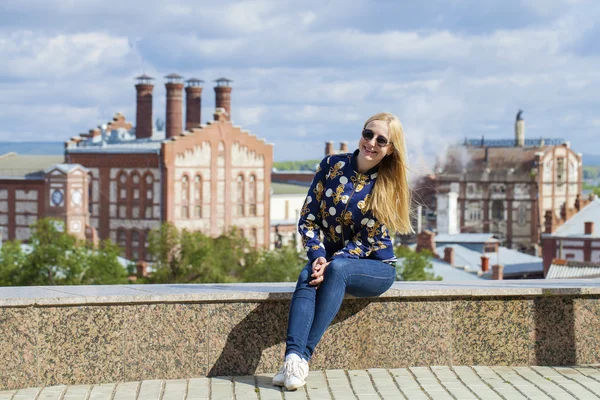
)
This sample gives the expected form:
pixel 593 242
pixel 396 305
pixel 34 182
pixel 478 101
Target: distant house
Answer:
pixel 477 254
pixel 574 240
pixel 286 202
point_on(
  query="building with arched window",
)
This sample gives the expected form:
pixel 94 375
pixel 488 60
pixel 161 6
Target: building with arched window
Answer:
pixel 119 181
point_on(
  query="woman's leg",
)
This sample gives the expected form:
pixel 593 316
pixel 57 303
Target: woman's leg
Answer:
pixel 359 277
pixel 302 311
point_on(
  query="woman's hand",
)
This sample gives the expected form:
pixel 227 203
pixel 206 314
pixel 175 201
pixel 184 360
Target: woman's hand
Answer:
pixel 318 269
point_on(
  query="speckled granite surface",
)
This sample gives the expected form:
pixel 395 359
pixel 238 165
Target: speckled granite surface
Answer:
pixel 118 336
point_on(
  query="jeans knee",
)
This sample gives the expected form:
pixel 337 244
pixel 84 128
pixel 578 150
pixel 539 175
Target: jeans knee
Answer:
pixel 336 269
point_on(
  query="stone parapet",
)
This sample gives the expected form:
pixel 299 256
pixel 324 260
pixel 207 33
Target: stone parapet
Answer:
pixel 95 334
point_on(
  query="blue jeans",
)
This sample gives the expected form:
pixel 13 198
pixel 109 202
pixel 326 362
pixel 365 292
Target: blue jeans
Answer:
pixel 312 310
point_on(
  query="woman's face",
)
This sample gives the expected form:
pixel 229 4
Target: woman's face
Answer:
pixel 370 150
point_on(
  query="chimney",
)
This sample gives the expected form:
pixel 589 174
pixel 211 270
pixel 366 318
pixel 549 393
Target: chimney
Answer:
pixel 549 222
pixel 143 114
pixel 498 272
pixel 426 241
pixel 329 148
pixel 223 95
pixel 519 130
pixel 589 228
pixel 343 147
pixel 449 255
pixel 174 105
pixel 193 103
pixel 447 213
pixel 485 263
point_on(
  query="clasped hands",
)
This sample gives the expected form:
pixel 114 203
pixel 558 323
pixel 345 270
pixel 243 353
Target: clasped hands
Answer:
pixel 318 271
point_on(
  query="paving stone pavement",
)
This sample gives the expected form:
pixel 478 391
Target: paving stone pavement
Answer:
pixel 432 383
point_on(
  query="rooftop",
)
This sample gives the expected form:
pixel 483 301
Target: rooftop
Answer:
pixel 567 269
pixel 14 166
pixel 575 226
pixel 466 238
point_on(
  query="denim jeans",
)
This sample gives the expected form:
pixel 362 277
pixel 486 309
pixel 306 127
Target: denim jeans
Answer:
pixel 312 310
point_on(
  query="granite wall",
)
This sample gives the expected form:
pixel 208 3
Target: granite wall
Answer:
pixel 93 343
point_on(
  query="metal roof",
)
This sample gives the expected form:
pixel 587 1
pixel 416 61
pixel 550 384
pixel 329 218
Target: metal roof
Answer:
pixel 514 262
pixel 466 238
pixel 575 226
pixel 14 166
pixel 573 269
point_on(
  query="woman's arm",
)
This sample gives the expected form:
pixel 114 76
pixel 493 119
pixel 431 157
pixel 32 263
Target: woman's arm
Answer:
pixel 309 225
pixel 373 236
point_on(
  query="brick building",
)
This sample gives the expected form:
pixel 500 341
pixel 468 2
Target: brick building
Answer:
pixel 206 177
pixel 504 187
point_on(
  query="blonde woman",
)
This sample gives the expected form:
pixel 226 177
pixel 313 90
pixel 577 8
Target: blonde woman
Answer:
pixel 353 203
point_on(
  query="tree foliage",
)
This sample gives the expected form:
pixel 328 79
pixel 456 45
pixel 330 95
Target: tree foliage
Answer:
pixel 185 256
pixel 58 258
pixel 308 165
pixel 413 266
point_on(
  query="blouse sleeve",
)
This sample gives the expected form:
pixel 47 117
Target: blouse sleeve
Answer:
pixel 309 225
pixel 373 236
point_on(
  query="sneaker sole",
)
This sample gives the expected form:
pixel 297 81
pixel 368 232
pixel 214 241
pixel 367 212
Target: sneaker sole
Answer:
pixel 294 387
pixel 279 384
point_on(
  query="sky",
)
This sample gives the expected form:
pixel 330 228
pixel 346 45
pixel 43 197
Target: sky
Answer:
pixel 306 72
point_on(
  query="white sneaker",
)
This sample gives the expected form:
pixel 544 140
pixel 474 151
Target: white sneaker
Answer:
pixel 279 378
pixel 296 371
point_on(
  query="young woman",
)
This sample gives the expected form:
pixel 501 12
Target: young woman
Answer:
pixel 353 203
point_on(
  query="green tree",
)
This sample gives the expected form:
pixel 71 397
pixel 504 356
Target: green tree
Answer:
pixel 193 257
pixel 413 266
pixel 58 258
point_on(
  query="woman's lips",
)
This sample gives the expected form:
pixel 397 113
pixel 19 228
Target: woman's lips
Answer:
pixel 368 152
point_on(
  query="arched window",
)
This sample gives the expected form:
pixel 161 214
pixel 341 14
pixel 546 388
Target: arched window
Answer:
pixel 252 194
pixel 135 195
pixel 90 192
pixel 185 195
pixel 474 212
pixel 122 195
pixel 198 196
pixel 240 195
pixel 148 195
pixel 498 210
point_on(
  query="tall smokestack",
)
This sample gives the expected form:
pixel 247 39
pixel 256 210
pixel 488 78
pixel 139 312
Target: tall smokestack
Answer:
pixel 174 105
pixel 223 95
pixel 193 103
pixel 519 130
pixel 343 147
pixel 143 113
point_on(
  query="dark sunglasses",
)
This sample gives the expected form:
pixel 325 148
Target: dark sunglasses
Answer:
pixel 368 135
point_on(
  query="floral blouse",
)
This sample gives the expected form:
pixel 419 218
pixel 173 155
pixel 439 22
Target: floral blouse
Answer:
pixel 334 221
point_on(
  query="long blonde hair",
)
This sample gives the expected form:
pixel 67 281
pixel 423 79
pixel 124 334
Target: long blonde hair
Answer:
pixel 391 197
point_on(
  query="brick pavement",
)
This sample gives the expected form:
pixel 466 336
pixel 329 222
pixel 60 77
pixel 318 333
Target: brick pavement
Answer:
pixel 432 383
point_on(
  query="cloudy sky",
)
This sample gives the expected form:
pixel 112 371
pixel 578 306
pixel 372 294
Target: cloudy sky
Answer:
pixel 306 72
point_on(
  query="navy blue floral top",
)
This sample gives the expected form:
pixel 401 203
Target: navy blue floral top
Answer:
pixel 334 221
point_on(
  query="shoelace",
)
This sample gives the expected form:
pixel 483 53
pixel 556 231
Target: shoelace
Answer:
pixel 292 369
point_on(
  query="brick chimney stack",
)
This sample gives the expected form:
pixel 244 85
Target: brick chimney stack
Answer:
pixel 143 113
pixel 223 95
pixel 497 272
pixel 589 228
pixel 449 255
pixel 329 148
pixel 174 118
pixel 343 147
pixel 193 103
pixel 485 263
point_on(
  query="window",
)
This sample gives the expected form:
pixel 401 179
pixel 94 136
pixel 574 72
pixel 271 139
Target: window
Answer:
pixel 184 187
pixel 252 195
pixel 135 245
pixel 254 237
pixel 522 214
pixel 560 170
pixel 198 196
pixel 185 212
pixel 240 195
pixel 135 212
pixel 498 210
pixel 122 238
pixel 90 191
pixel 474 212
pixel 148 212
pixel 122 212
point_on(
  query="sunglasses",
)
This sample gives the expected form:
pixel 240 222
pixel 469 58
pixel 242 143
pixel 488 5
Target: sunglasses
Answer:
pixel 368 135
